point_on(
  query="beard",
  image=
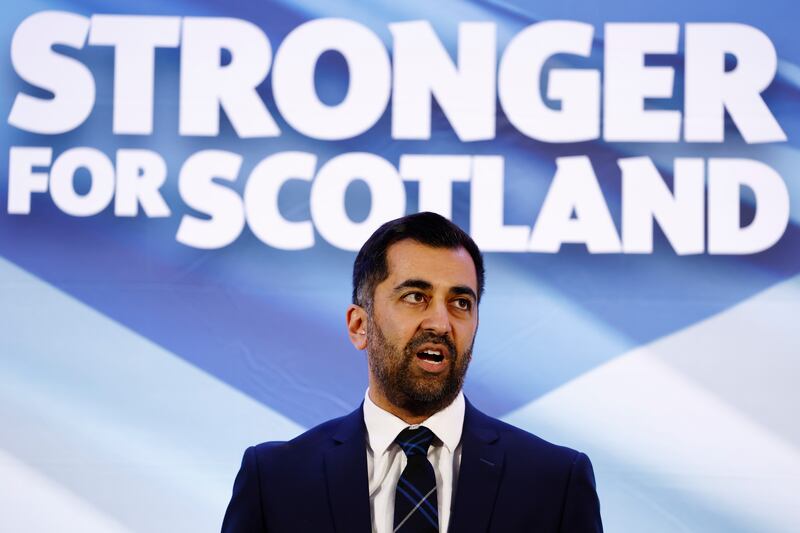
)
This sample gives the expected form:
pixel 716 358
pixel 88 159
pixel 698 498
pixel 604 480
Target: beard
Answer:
pixel 404 384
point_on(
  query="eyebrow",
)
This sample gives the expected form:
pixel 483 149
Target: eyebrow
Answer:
pixel 426 286
pixel 464 290
pixel 414 284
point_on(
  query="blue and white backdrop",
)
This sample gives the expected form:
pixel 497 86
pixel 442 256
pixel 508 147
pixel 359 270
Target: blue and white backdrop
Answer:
pixel 184 185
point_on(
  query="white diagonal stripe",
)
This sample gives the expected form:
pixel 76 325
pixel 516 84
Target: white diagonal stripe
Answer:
pixel 403 521
pixel 109 407
pixel 669 423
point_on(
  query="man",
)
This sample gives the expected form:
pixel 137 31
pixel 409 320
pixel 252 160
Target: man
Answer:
pixel 416 456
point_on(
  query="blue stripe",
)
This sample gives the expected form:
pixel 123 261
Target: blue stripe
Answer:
pixel 408 448
pixel 423 433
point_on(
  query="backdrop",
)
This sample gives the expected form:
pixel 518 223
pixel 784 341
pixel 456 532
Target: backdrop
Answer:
pixel 184 185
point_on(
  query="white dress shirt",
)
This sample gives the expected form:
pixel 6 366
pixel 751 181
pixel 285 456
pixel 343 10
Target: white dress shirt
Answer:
pixel 386 460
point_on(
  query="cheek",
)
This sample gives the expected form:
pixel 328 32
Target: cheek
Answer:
pixel 405 320
pixel 404 335
pixel 397 331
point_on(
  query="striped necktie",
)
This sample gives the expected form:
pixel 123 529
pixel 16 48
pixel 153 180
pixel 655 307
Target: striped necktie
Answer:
pixel 415 504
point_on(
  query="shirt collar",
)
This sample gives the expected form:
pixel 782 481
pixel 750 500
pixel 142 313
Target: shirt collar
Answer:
pixel 383 427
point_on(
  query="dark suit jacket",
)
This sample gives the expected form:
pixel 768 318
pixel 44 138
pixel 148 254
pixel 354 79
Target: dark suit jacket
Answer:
pixel 509 481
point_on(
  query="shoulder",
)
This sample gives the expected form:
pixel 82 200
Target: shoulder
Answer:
pixel 556 473
pixel 274 476
pixel 559 479
pixel 519 442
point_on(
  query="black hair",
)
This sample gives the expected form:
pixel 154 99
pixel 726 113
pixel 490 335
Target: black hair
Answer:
pixel 370 267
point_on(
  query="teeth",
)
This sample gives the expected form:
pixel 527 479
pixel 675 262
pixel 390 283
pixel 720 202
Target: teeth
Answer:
pixel 433 352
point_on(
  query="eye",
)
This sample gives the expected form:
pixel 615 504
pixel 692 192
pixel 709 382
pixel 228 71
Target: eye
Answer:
pixel 414 298
pixel 464 304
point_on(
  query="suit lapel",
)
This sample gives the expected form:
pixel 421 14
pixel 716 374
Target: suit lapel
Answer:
pixel 479 475
pixel 346 474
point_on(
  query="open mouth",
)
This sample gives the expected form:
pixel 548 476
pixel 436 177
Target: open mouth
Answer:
pixel 432 356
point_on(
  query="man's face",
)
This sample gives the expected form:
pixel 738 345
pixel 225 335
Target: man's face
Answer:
pixel 421 326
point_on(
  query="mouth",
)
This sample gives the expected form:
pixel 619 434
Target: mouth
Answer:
pixel 433 359
pixel 432 356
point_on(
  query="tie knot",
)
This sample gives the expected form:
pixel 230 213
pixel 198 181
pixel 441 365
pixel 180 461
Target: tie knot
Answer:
pixel 415 441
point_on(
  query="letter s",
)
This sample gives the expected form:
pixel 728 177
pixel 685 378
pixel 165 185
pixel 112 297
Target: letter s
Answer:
pixel 35 61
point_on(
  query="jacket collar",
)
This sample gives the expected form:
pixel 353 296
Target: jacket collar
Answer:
pixel 480 473
pixel 348 490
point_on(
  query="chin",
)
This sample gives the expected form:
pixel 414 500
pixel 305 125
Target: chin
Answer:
pixel 426 401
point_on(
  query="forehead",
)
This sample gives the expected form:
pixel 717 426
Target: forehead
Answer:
pixel 409 259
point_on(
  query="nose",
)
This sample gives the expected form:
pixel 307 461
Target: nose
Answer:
pixel 437 318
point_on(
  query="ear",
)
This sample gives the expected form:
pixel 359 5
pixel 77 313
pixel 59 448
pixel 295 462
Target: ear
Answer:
pixel 357 326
